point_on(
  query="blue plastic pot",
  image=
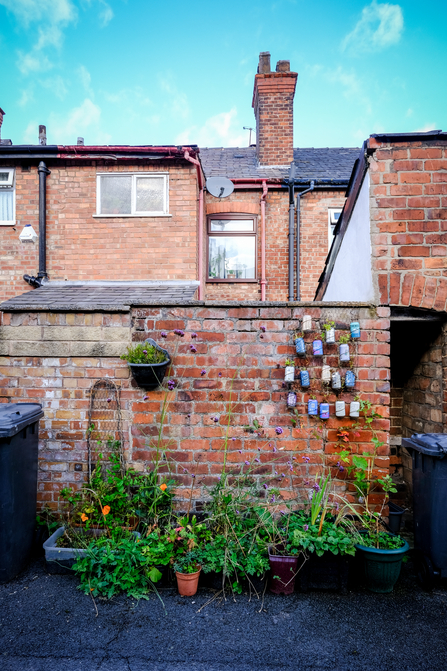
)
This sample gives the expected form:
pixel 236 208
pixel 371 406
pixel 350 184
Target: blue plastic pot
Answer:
pixel 304 377
pixel 312 407
pixel 300 346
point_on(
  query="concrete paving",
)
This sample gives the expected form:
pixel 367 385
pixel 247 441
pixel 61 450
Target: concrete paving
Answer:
pixel 46 623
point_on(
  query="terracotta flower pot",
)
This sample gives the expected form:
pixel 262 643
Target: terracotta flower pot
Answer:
pixel 187 583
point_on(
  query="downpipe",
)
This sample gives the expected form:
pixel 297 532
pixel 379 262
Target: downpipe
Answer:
pixel 291 225
pixel 298 237
pixel 42 275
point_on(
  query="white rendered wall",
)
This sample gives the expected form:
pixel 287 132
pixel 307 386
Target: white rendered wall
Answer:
pixel 351 278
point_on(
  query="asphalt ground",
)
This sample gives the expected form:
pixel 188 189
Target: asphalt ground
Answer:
pixel 47 624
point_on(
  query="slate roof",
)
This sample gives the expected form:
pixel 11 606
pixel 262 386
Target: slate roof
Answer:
pixel 108 296
pixel 318 164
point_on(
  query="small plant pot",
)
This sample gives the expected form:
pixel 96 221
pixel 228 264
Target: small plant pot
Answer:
pixel 300 346
pixel 312 407
pixel 381 568
pixel 291 399
pixel 336 381
pixel 344 352
pixel 330 336
pixel 150 375
pixel 395 514
pixel 283 571
pixel 349 379
pixel 304 378
pixel 187 583
pixel 324 410
pixel 289 374
pixel 328 572
pixel 340 409
pixel 317 348
pixel 355 329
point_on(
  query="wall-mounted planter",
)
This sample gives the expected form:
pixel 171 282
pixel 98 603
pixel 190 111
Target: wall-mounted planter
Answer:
pixel 354 409
pixel 307 323
pixel 304 378
pixel 344 352
pixel 324 410
pixel 349 379
pixel 289 375
pixel 300 346
pixel 312 407
pixel 330 336
pixel 317 347
pixel 336 381
pixel 340 409
pixel 355 330
pixel 326 374
pixel 291 399
pixel 150 375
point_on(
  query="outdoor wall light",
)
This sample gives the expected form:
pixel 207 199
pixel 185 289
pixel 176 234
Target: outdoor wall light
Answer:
pixel 28 234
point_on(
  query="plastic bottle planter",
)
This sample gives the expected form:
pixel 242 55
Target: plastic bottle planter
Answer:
pixel 326 374
pixel 324 410
pixel 304 378
pixel 336 381
pixel 289 374
pixel 340 409
pixel 330 336
pixel 291 400
pixel 349 379
pixel 312 407
pixel 355 330
pixel 344 352
pixel 317 347
pixel 354 409
pixel 307 323
pixel 300 346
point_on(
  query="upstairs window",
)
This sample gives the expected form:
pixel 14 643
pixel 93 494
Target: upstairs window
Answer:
pixel 7 197
pixel 132 194
pixel 231 248
pixel 333 217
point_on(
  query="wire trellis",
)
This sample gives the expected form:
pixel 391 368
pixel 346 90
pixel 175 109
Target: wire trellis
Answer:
pixel 104 433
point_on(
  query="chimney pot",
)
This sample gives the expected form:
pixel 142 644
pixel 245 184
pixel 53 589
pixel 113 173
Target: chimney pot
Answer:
pixel 81 141
pixel 283 66
pixel 264 63
pixel 42 134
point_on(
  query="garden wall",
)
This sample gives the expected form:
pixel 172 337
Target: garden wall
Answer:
pixel 54 358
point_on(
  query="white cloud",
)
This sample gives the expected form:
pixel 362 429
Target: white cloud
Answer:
pixel 31 134
pixel 409 112
pixel 85 77
pixel 221 130
pixel 352 87
pixel 33 62
pixel 84 121
pixel 178 101
pixel 26 97
pixel 428 126
pixel 106 14
pixel 55 84
pixel 379 27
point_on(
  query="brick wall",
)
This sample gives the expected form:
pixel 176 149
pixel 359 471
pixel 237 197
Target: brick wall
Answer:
pixel 55 358
pixel 80 247
pixel 409 223
pixel 314 241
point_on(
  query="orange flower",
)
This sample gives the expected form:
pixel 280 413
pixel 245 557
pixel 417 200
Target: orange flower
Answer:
pixel 84 517
pixel 106 510
pixel 163 487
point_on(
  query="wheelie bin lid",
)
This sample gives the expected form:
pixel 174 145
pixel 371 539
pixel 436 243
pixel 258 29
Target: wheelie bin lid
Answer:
pixel 433 444
pixel 16 416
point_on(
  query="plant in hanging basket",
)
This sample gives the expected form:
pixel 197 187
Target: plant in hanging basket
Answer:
pixel 148 363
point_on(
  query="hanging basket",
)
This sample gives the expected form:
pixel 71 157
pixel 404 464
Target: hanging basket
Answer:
pixel 150 375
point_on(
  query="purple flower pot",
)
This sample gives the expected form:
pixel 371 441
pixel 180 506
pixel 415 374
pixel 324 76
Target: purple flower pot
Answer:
pixel 291 400
pixel 317 347
pixel 324 410
pixel 283 572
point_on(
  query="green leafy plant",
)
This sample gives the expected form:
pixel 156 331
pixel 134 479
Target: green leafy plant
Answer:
pixel 344 339
pixel 289 362
pixel 326 328
pixel 188 563
pixel 143 353
pixel 324 536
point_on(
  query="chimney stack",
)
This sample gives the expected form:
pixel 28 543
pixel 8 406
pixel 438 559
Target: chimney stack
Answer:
pixel 80 141
pixel 42 135
pixel 1 121
pixel 273 107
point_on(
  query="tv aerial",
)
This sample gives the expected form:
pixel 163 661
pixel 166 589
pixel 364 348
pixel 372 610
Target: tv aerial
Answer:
pixel 220 187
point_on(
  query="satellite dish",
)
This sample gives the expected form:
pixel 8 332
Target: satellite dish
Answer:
pixel 221 187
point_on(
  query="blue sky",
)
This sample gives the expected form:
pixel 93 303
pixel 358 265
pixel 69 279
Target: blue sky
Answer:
pixel 140 72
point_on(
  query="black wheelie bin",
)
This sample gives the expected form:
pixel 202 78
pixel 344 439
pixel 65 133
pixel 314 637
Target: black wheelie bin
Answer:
pixel 19 435
pixel 429 461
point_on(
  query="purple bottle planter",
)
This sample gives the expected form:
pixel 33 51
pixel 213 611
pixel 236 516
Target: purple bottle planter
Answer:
pixel 336 381
pixel 349 379
pixel 291 400
pixel 304 377
pixel 317 347
pixel 300 346
pixel 324 410
pixel 355 330
pixel 344 352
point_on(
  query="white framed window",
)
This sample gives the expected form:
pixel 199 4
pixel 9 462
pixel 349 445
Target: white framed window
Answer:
pixel 333 217
pixel 132 194
pixel 7 197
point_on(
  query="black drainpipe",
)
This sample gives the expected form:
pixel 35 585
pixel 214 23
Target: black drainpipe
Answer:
pixel 42 275
pixel 298 231
pixel 291 225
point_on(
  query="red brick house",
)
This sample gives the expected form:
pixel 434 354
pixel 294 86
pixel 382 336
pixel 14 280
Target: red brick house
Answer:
pixel 121 213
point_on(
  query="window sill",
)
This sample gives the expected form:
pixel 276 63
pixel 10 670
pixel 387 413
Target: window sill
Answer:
pixel 235 281
pixel 8 223
pixel 130 216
